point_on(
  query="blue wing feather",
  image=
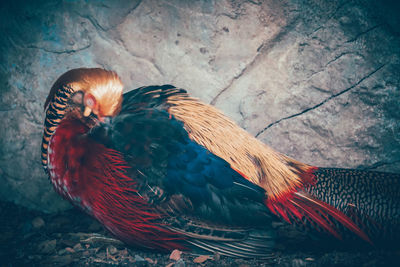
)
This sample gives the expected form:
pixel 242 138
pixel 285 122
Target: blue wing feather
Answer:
pixel 157 145
pixel 205 199
pixel 192 169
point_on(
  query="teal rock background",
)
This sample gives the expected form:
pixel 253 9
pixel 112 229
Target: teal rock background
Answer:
pixel 317 80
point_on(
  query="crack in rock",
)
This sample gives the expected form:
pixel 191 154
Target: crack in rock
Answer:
pixel 380 164
pixel 263 49
pixel 98 26
pixel 321 103
pixel 68 51
pixel 148 60
pixel 214 100
pixel 328 18
pixel 337 57
pixel 363 33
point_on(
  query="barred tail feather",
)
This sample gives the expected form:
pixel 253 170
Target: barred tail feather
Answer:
pixel 296 207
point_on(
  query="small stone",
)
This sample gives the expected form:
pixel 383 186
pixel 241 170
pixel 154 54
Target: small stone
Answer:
pixel 78 247
pixel 175 255
pixel 70 250
pixel 151 261
pixel 62 252
pixel 139 258
pixel 124 252
pixel 37 223
pixel 140 262
pixel 201 258
pixel 112 250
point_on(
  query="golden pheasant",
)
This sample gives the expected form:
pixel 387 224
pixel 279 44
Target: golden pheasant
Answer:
pixel 162 170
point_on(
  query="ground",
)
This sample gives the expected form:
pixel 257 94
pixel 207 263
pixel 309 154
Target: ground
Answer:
pixel 70 238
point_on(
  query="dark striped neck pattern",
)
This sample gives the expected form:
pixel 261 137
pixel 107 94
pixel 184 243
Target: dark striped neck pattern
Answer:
pixel 54 114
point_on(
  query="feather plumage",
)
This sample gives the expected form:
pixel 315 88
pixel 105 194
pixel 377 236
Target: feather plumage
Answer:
pixel 168 171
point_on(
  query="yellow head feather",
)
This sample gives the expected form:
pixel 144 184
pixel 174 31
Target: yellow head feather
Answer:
pixel 104 85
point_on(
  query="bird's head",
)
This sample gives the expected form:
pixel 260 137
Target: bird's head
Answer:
pixel 87 94
pixel 96 93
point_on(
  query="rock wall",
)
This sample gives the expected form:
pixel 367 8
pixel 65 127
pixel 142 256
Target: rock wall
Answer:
pixel 317 80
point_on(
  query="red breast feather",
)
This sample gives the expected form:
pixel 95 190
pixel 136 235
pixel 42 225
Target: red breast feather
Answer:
pixel 93 178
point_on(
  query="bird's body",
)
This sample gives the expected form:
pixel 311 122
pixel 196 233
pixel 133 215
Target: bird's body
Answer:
pixel 171 172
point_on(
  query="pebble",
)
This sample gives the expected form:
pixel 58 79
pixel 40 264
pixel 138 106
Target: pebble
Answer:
pixel 201 258
pixel 112 250
pixel 139 258
pixel 78 247
pixel 62 252
pixel 175 255
pixel 124 252
pixel 70 250
pixel 38 222
pixel 151 261
pixel 139 261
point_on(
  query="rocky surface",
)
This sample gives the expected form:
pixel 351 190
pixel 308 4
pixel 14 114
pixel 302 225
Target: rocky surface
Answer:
pixel 317 80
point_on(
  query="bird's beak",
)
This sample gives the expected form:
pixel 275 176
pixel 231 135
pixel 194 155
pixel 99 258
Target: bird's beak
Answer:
pixel 105 120
pixel 87 111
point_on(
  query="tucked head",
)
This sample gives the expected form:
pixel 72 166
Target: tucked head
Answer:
pixel 95 90
pixel 88 94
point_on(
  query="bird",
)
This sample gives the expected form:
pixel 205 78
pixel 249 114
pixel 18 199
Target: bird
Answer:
pixel 162 170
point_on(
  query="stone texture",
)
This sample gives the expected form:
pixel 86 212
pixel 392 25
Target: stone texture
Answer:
pixel 317 80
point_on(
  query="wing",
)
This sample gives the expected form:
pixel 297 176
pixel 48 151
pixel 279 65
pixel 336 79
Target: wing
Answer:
pixel 282 178
pixel 206 199
pixel 160 152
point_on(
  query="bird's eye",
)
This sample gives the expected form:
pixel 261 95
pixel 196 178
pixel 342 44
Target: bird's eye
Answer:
pixel 90 101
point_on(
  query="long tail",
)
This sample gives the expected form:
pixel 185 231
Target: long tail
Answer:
pixel 371 199
pixel 365 203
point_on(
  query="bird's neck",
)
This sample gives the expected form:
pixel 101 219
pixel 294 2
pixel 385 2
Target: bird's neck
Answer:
pixel 55 113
